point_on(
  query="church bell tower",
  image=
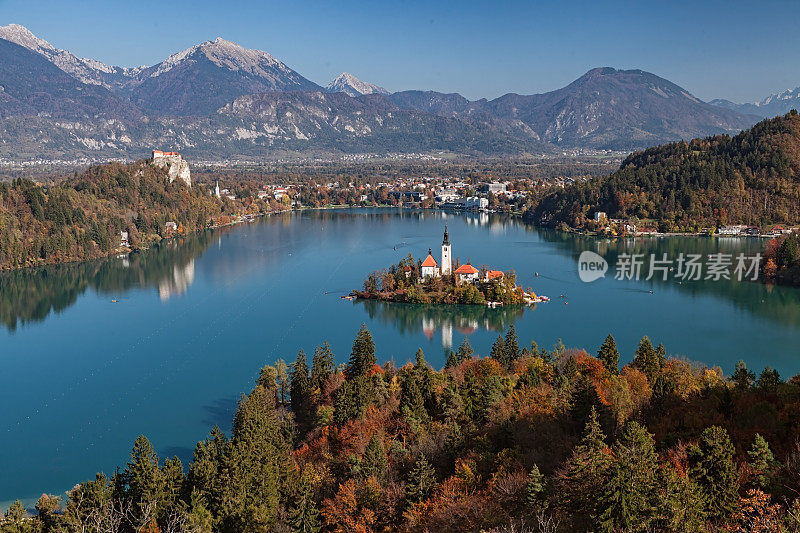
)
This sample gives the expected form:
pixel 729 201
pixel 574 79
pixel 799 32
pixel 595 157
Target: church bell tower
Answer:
pixel 447 256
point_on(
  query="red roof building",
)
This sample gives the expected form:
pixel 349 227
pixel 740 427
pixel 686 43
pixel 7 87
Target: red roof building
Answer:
pixel 493 274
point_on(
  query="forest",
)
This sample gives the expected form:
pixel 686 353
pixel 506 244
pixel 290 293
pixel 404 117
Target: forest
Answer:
pixel 83 217
pixel 752 178
pixel 525 439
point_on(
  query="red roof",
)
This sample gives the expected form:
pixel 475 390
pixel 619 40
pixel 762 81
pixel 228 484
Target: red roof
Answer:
pixel 429 261
pixel 407 269
pixel 493 274
pixel 466 269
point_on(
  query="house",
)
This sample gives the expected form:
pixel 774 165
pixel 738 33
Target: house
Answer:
pixel 407 271
pixel 466 274
pixel 731 230
pixel 600 217
pixel 492 275
pixel 430 269
pixel 123 238
pixel 171 226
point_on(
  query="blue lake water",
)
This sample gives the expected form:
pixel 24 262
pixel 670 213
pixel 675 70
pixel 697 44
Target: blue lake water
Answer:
pixel 194 321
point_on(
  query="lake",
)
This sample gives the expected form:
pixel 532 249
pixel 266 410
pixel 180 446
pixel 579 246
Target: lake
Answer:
pixel 163 342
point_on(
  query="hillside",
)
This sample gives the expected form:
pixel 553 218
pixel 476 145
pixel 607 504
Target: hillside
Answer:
pixel 31 85
pixel 82 218
pixel 751 178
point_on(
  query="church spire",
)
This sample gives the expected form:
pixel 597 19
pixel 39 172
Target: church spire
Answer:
pixel 446 240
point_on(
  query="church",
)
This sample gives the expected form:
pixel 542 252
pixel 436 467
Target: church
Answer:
pixel 430 269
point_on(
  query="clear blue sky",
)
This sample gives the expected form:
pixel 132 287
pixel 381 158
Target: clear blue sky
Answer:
pixel 736 50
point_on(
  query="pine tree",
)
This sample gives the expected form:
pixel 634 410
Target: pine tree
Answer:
pixel 452 360
pixel 743 378
pixel 511 345
pixel 362 358
pixel 300 388
pixel 769 379
pixel 304 515
pixel 421 480
pixel 142 476
pixel 581 483
pixel 172 480
pixel 498 352
pixel 661 355
pixel 680 504
pixel 712 468
pixel 627 500
pixel 762 463
pixel 374 462
pixel 534 490
pixel 322 366
pixel 17 516
pixel 255 463
pixel 465 351
pixel 646 359
pixel 609 355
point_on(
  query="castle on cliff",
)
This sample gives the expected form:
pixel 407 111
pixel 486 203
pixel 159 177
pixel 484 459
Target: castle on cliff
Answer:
pixel 177 167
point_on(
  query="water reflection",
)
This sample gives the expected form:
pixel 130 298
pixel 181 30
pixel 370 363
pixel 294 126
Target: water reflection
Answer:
pixel 410 319
pixel 776 303
pixel 32 294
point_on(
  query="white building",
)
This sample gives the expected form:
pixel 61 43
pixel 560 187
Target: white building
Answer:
pixel 429 267
pixel 467 274
pixel 447 257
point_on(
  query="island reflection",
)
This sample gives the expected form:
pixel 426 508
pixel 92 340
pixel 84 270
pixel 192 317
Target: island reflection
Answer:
pixel 410 319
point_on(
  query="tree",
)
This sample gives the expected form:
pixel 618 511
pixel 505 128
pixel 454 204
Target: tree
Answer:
pixel 769 379
pixel 680 504
pixel 255 463
pixel 498 352
pixel 534 490
pixel 762 464
pixel 17 516
pixel 609 355
pixel 142 478
pixel 743 378
pixel 374 462
pixel 362 357
pixel 304 515
pixel 322 366
pixel 300 388
pixel 465 351
pixel 282 380
pixel 48 509
pixel 628 499
pixel 581 481
pixel 452 360
pixel 421 480
pixel 711 466
pixel 646 359
pixel 511 346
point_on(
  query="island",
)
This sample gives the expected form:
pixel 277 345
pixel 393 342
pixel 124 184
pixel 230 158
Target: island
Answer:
pixel 449 282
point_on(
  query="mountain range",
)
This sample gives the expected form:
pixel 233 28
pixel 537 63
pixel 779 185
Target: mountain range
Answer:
pixel 218 99
pixel 773 105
